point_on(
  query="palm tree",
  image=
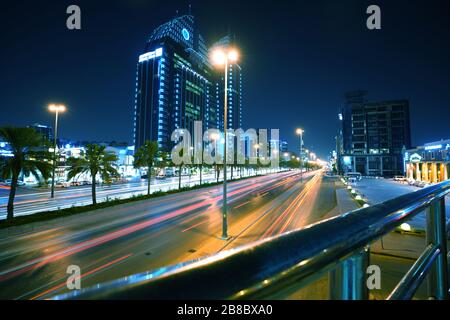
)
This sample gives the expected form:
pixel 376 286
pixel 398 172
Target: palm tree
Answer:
pixel 29 157
pixel 180 168
pixel 145 156
pixel 95 161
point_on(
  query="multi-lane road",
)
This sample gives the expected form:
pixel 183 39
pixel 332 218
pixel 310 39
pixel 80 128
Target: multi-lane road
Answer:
pixel 32 200
pixel 136 237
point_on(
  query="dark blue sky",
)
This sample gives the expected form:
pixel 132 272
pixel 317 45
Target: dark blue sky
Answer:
pixel 299 58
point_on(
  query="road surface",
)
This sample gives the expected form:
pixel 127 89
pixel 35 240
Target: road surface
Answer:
pixel 136 237
pixel 33 200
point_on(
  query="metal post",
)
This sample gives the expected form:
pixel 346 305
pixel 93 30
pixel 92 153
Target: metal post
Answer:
pixel 348 281
pixel 225 119
pixel 437 234
pixel 52 193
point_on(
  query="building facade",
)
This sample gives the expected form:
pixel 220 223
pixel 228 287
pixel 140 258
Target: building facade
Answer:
pixel 45 131
pixel 176 85
pixel 234 89
pixel 284 147
pixel 373 136
pixel 429 163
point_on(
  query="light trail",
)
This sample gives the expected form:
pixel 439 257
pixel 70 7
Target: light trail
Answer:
pixel 95 270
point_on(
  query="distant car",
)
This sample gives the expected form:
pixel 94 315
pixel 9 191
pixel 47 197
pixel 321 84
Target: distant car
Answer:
pixel 169 172
pixel 421 184
pixel 75 183
pixel 400 178
pixel 62 184
pixel 356 175
pixel 20 183
pixel 353 177
pixel 352 180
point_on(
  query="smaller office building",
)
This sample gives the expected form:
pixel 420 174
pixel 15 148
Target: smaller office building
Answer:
pixel 429 163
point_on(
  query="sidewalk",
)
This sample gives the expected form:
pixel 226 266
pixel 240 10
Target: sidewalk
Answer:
pixel 395 253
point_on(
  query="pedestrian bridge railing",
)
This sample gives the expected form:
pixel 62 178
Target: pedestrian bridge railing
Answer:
pixel 277 267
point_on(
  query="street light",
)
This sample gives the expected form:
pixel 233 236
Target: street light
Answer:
pixel 56 108
pixel 300 133
pixel 223 57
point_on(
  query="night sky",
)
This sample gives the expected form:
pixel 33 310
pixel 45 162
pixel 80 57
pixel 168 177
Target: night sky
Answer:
pixel 298 58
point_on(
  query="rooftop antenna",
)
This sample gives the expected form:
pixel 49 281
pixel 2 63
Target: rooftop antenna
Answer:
pixel 176 13
pixel 190 9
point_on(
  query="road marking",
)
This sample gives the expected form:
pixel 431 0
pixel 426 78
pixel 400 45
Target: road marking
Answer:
pixel 242 204
pixel 195 225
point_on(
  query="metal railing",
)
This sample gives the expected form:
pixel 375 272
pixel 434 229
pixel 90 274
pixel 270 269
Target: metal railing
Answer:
pixel 277 267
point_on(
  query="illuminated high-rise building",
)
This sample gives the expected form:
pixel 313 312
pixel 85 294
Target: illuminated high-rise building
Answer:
pixel 174 84
pixel 234 97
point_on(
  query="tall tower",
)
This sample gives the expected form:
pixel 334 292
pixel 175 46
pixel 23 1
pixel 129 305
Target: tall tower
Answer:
pixel 174 84
pixel 234 89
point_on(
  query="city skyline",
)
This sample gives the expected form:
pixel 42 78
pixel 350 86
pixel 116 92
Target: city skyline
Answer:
pixel 321 52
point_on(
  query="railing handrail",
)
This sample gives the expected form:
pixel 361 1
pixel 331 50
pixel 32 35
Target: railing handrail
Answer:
pixel 267 267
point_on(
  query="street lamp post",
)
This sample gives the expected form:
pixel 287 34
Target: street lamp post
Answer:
pixel 224 57
pixel 56 109
pixel 300 133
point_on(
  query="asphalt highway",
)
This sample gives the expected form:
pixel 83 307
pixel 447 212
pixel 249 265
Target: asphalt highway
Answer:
pixel 117 242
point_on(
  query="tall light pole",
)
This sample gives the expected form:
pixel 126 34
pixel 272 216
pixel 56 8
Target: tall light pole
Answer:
pixel 300 133
pixel 56 108
pixel 223 57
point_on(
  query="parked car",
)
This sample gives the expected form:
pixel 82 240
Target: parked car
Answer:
pixel 400 178
pixel 421 184
pixel 20 183
pixel 62 184
pixel 169 172
pixel 355 175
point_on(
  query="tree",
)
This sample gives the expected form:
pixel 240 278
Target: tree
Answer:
pixel 96 160
pixel 145 156
pixel 180 168
pixel 29 157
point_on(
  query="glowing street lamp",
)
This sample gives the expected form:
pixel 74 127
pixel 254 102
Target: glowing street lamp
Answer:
pixel 56 108
pixel 300 132
pixel 223 57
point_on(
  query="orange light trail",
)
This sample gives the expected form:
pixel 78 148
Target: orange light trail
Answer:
pixel 63 284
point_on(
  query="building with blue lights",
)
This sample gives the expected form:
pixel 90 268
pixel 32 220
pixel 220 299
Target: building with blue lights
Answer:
pixel 175 84
pixel 45 131
pixel 429 163
pixel 234 86
pixel 373 136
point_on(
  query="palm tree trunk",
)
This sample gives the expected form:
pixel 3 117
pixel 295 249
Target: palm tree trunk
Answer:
pixel 201 167
pixel 179 178
pixel 94 196
pixel 12 194
pixel 149 176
